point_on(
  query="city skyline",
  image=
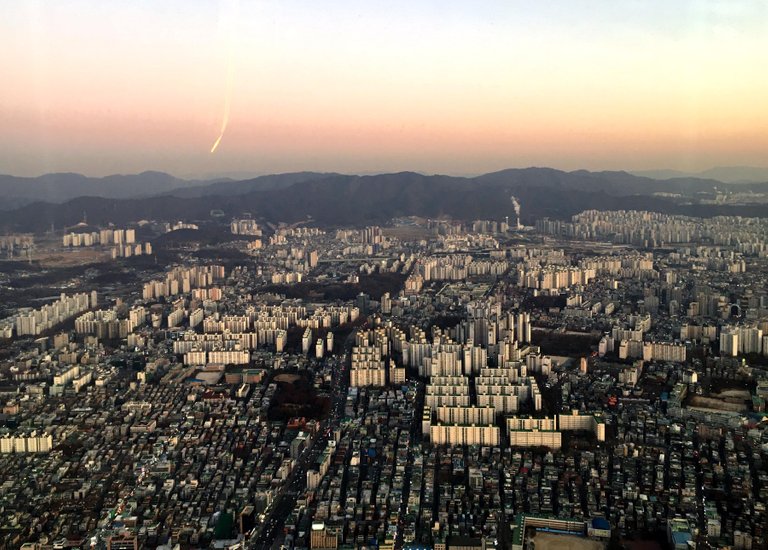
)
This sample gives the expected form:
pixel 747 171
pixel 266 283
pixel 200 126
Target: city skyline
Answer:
pixel 102 89
pixel 283 275
pixel 445 384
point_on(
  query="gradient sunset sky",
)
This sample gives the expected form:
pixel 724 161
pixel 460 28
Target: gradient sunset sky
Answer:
pixel 464 87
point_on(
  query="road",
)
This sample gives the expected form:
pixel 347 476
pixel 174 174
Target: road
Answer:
pixel 295 484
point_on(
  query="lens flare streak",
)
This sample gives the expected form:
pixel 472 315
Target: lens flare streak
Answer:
pixel 230 79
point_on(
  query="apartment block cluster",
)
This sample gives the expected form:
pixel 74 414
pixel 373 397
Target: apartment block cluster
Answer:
pixel 744 339
pixel 457 267
pixel 122 242
pixel 16 245
pixel 628 341
pixel 108 324
pixel 231 338
pixel 457 228
pixel 652 229
pixel 33 322
pixel 183 280
pixel 457 243
pixel 526 431
pixel 168 227
pixel 32 443
pixel 245 227
pixel 454 416
pixel 104 237
pixel 128 250
pixel 363 242
pixel 543 274
pixel 371 363
pixel 554 278
pixel 292 262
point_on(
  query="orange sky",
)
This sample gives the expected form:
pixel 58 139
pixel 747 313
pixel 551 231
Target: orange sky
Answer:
pixel 445 87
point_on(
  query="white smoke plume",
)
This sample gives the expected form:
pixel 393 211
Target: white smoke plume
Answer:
pixel 516 206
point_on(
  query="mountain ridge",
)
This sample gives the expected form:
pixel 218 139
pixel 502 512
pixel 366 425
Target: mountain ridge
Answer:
pixel 63 186
pixel 338 199
pixel 59 187
pixel 724 174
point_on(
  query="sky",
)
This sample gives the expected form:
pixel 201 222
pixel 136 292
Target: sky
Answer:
pixel 464 87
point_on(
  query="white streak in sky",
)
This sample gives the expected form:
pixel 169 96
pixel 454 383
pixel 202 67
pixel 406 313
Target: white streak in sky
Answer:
pixel 230 73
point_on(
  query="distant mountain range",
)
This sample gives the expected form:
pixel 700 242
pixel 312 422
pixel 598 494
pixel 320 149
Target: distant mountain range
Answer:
pixel 725 174
pixel 65 186
pixel 335 199
pixel 57 188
